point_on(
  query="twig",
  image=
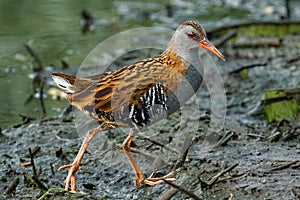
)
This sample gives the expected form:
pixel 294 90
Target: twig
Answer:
pixel 42 95
pixel 65 64
pixel 37 79
pixel 52 169
pixel 168 194
pixel 248 66
pixel 275 136
pixel 32 162
pixel 181 189
pixel 225 37
pixel 275 100
pixel 180 161
pixel 295 166
pixel 35 177
pixel 51 190
pixel 231 196
pixel 255 135
pixel 272 42
pixel 12 187
pixel 66 111
pixel 35 56
pixel 288 91
pixel 25 120
pixel 27 179
pixel 288 9
pixel 223 141
pixel 216 177
pixel 158 143
pixel 289 135
pixel 182 157
pixel 281 167
pixel 251 23
pixel 30 97
pixel 36 150
pixel 39 183
pixel 286 122
pixel 293 59
pixel 25 164
pixel 88 21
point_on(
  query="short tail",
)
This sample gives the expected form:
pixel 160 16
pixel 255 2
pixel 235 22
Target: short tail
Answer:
pixel 64 82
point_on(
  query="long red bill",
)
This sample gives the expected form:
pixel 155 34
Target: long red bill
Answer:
pixel 205 44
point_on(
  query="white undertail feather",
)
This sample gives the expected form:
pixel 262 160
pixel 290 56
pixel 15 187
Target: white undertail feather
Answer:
pixel 63 84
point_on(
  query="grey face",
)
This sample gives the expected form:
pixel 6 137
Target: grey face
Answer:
pixel 188 38
pixel 191 33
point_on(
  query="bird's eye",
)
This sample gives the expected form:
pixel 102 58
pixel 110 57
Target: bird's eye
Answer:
pixel 191 34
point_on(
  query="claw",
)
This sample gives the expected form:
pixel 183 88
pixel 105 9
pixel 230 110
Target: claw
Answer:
pixel 65 167
pixel 155 181
pixel 70 182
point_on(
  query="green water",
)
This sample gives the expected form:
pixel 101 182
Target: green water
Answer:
pixel 53 30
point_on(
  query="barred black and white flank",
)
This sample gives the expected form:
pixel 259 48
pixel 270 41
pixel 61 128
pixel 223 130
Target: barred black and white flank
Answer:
pixel 152 104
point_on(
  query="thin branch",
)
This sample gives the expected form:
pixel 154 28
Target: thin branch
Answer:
pixel 250 23
pixel 181 189
pixel 32 162
pixel 39 183
pixel 216 177
pixel 223 141
pixel 12 187
pixel 248 66
pixel 270 42
pixel 284 166
pixel 168 194
pixel 35 150
pixel 288 91
pixel 158 143
pixel 41 96
pixel 49 192
pixel 34 55
pixel 225 37
pixel 35 177
pixel 182 157
pixel 52 169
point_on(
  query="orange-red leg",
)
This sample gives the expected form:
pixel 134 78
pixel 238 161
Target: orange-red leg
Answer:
pixel 70 182
pixel 139 176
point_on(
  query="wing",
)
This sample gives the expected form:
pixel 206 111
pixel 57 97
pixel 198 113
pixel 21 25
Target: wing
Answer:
pixel 132 88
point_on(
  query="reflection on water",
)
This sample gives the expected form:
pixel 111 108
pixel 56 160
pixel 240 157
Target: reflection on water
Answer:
pixel 53 30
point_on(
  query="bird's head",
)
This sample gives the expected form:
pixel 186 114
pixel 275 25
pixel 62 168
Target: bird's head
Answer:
pixel 190 35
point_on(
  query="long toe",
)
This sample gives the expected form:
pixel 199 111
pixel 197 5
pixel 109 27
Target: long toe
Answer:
pixel 70 182
pixel 65 166
pixel 156 181
pixel 159 180
pixel 73 184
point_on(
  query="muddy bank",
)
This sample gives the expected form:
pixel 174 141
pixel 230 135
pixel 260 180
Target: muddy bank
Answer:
pixel 264 169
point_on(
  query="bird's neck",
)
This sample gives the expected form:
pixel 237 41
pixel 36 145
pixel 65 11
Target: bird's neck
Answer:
pixel 188 63
pixel 171 59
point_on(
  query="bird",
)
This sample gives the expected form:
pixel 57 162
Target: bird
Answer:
pixel 138 94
